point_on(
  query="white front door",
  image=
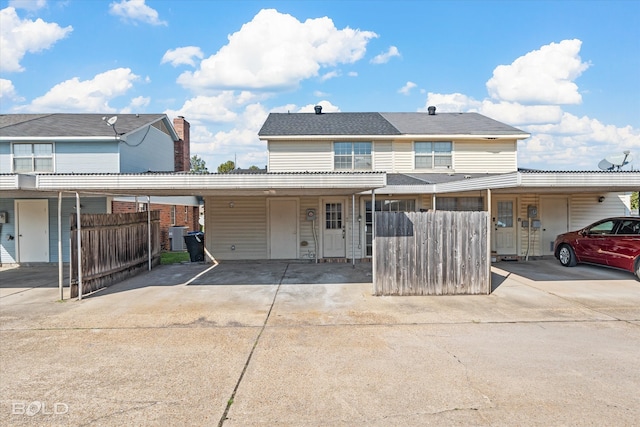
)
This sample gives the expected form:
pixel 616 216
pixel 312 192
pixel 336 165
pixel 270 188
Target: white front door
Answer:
pixel 283 228
pixel 554 219
pixel 504 227
pixel 33 230
pixel 333 230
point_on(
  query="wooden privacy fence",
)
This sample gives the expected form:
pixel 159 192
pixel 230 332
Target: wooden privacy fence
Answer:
pixel 114 246
pixel 431 253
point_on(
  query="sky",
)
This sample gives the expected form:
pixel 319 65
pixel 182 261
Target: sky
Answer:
pixel 567 72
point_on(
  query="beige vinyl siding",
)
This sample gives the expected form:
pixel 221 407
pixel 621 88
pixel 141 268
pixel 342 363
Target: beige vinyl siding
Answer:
pixel 403 159
pixel 308 250
pixel 383 156
pixel 524 200
pixel 300 156
pixel 485 156
pixel 585 209
pixel 244 226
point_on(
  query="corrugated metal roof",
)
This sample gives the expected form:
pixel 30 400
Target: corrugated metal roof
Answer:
pixel 384 124
pixel 62 125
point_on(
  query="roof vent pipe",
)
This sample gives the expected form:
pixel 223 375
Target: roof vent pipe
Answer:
pixel 318 109
pixel 432 110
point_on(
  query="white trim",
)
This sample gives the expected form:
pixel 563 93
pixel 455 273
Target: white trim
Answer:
pixel 392 137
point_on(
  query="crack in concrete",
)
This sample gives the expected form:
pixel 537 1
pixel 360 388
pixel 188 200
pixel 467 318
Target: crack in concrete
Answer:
pixel 253 348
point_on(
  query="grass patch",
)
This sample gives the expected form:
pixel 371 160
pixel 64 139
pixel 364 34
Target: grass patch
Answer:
pixel 174 257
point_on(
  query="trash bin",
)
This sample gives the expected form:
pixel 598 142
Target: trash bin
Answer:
pixel 195 245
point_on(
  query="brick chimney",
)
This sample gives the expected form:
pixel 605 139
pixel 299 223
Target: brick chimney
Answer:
pixel 182 149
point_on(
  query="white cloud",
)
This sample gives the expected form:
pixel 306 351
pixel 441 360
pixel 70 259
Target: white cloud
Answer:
pixel 384 57
pixel 327 107
pixel 18 36
pixel 7 90
pixel 320 94
pixel 216 109
pixel 352 74
pixel 450 103
pixel 87 96
pixel 30 5
pixel 182 56
pixel 135 11
pixel 275 50
pixel 529 94
pixel 543 76
pixel 330 75
pixel 406 89
pixel 136 105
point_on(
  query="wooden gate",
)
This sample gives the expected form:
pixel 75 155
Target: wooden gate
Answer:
pixel 114 246
pixel 431 253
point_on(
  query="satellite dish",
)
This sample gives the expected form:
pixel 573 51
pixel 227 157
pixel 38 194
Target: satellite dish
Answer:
pixel 112 121
pixel 616 161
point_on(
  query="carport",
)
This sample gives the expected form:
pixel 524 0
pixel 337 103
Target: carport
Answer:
pixel 343 184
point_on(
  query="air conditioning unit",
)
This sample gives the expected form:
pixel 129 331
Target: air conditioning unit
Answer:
pixel 176 237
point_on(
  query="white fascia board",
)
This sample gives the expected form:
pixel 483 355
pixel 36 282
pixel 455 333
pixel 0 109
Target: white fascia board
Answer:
pixel 58 138
pixel 191 182
pixel 394 137
pixel 582 179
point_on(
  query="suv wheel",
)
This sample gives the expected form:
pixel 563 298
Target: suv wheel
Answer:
pixel 638 268
pixel 566 256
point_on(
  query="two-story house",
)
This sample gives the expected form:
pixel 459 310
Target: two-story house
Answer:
pixel 445 161
pixel 83 146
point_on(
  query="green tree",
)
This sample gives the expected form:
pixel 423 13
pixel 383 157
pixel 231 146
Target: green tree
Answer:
pixel 226 167
pixel 198 165
pixel 634 200
pixel 254 168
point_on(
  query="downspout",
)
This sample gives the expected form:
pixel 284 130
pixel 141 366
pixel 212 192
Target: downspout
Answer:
pixel 79 242
pixel 353 230
pixel 149 229
pixel 373 238
pixel 60 273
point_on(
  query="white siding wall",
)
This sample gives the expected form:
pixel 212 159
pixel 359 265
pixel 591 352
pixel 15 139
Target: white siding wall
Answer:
pixel 243 226
pixel 484 156
pixel 5 157
pixel 300 156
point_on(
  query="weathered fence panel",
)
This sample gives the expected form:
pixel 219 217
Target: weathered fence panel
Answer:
pixel 431 253
pixel 114 247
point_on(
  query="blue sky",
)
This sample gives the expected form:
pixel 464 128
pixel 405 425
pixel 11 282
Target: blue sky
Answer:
pixel 567 72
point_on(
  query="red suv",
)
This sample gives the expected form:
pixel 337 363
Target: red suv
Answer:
pixel 612 242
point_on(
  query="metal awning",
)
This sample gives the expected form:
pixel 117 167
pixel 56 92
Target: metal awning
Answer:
pixel 181 184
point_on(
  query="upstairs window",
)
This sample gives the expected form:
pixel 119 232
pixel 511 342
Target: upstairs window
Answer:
pixel 433 155
pixel 352 156
pixel 32 157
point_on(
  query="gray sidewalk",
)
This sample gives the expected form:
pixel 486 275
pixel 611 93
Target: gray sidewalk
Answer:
pixel 170 347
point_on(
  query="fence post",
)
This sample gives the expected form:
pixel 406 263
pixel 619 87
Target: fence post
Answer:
pixel 79 242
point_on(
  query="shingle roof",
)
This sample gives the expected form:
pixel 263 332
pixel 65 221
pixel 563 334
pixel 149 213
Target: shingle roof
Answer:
pixel 71 125
pixel 384 124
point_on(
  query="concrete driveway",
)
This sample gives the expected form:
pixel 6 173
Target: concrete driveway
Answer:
pixel 308 345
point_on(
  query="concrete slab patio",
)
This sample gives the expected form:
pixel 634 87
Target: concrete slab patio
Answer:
pixel 280 343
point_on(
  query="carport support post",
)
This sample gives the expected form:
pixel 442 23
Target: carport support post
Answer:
pixel 353 230
pixel 79 240
pixel 373 238
pixel 60 273
pixel 149 228
pixel 489 239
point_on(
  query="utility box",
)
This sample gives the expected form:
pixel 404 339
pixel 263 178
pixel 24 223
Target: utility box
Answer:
pixel 176 237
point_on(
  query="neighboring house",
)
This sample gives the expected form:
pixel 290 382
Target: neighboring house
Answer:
pixel 443 161
pixel 80 147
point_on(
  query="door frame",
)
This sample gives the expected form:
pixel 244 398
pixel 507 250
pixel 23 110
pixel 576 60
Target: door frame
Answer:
pixel 494 213
pixel 297 225
pixel 47 229
pixel 323 218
